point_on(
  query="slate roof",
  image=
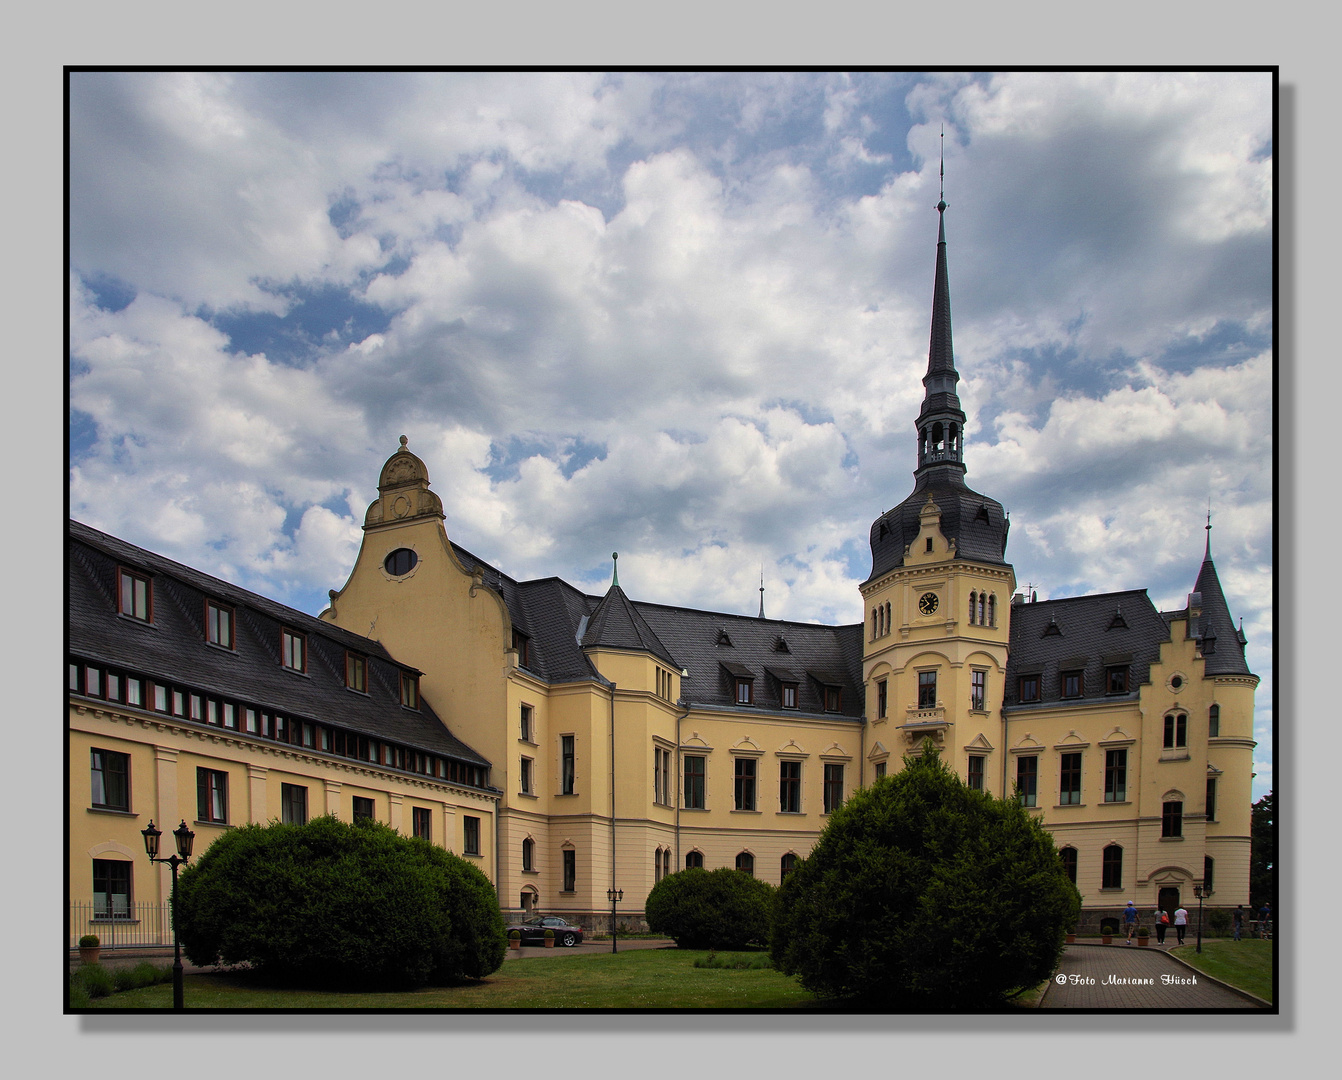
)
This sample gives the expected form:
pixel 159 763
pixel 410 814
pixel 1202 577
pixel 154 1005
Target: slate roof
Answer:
pixel 977 523
pixel 1085 633
pixel 173 649
pixel 551 613
pixel 1224 655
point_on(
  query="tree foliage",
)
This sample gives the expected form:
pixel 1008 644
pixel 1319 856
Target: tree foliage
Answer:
pixel 344 905
pixel 924 894
pixel 711 909
pixel 1263 852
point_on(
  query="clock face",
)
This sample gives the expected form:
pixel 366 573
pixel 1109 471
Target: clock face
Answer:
pixel 927 603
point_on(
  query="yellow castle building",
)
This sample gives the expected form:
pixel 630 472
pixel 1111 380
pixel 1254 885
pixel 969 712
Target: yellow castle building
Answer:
pixel 572 744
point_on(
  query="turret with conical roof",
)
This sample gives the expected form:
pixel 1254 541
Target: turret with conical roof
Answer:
pixel 1222 643
pixel 977 524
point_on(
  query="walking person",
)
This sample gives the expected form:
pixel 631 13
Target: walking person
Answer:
pixel 1264 917
pixel 1180 923
pixel 1238 919
pixel 1162 919
pixel 1130 919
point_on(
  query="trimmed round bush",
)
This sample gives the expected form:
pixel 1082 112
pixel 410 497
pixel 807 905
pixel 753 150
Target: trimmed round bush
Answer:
pixel 711 909
pixel 924 894
pixel 345 905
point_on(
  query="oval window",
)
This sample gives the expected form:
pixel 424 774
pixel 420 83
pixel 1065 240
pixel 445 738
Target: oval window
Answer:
pixel 401 561
pixel 1176 683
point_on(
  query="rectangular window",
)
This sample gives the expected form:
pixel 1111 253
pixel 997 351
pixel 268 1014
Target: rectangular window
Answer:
pixel 661 776
pixel 789 787
pixel 293 650
pixel 882 698
pixel 363 809
pixel 694 782
pixel 212 796
pixel 1211 800
pixel 160 697
pixel 833 787
pixel 1116 680
pixel 927 689
pixel 745 783
pixel 978 690
pixel 975 773
pixel 745 691
pixel 522 644
pixel 570 870
pixel 136 596
pixel 1071 683
pixel 833 699
pixel 178 703
pixel 1208 871
pixel 422 822
pixel 356 672
pixel 1027 780
pixel 74 678
pixel 110 777
pixel 113 686
pixel 111 889
pixel 1176 731
pixel 470 835
pixel 134 692
pixel 1111 868
pixel 218 624
pixel 1172 819
pixel 789 695
pixel 1069 863
pixel 1116 776
pixel 566 765
pixel 1029 688
pixel 293 804
pixel 525 733
pixel 880 769
pixel 524 775
pixel 94 682
pixel 1069 783
pixel 409 690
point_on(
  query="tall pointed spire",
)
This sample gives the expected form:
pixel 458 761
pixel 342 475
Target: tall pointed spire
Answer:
pixel 941 421
pixel 761 615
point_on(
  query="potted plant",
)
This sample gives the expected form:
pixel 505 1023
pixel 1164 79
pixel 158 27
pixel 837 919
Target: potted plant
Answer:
pixel 1106 936
pixel 88 949
pixel 515 939
pixel 1143 935
pixel 1071 937
pixel 549 939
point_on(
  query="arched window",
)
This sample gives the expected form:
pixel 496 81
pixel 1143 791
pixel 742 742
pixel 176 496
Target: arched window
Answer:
pixel 693 859
pixel 787 865
pixel 528 854
pixel 1176 731
pixel 745 862
pixel 875 625
pixel 1069 863
pixel 973 607
pixel 992 610
pixel 1214 722
pixel 1111 868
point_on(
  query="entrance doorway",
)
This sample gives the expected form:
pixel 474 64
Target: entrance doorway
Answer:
pixel 528 901
pixel 1169 901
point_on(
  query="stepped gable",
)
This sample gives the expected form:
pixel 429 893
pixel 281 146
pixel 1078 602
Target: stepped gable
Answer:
pixel 1083 633
pixel 173 648
pixel 716 647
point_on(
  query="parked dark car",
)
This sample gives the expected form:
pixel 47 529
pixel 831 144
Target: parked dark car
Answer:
pixel 533 931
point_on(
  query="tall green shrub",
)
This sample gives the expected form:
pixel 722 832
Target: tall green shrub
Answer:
pixel 711 909
pixel 345 905
pixel 924 894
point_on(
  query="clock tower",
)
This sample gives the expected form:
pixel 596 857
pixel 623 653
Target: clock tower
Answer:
pixel 938 600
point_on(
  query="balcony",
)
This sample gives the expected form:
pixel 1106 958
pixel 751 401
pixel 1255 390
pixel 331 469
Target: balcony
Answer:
pixel 920 723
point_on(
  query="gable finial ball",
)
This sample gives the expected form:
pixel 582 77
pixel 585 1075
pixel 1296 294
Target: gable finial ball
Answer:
pixel 404 440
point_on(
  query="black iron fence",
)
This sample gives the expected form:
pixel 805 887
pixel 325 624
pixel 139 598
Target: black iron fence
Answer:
pixel 135 925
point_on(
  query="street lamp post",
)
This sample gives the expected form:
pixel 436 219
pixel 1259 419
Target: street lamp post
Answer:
pixel 1199 893
pixel 185 838
pixel 614 896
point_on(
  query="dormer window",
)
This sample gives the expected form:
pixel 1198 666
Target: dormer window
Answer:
pixel 1116 679
pixel 1072 683
pixel 723 639
pixel 789 695
pixel 409 690
pixel 833 698
pixel 293 650
pixel 218 625
pixel 745 691
pixel 135 595
pixel 522 644
pixel 1029 688
pixel 356 672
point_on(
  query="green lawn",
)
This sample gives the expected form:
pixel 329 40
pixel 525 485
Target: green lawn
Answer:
pixel 638 979
pixel 1246 964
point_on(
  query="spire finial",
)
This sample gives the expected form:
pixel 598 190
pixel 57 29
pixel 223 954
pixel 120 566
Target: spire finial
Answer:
pixel 761 615
pixel 404 440
pixel 614 569
pixel 1207 553
pixel 941 204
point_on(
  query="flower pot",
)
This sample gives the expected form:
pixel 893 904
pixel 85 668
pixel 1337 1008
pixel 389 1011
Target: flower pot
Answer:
pixel 1071 939
pixel 515 943
pixel 1106 939
pixel 1143 940
pixel 88 954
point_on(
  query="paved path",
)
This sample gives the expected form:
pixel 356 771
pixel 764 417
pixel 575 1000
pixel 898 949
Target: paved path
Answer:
pixel 1129 977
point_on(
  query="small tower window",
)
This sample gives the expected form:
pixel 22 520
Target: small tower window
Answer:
pixel 992 610
pixel 973 607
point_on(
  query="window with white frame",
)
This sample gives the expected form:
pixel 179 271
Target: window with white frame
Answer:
pixel 109 778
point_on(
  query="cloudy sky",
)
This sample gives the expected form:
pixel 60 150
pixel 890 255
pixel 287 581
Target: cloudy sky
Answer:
pixel 679 316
